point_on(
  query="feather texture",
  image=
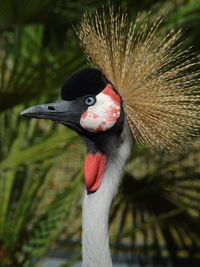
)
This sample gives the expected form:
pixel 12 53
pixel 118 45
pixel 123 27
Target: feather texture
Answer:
pixel 157 80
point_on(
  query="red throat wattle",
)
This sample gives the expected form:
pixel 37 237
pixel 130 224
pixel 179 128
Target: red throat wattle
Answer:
pixel 94 168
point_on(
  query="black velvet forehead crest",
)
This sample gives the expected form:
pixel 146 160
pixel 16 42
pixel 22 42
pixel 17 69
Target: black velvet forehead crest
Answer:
pixel 84 82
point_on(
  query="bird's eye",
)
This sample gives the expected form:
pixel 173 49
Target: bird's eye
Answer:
pixel 89 101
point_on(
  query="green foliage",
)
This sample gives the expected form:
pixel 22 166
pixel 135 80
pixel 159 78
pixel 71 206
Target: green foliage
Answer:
pixel 27 172
pixel 32 68
pixel 158 206
pixel 28 69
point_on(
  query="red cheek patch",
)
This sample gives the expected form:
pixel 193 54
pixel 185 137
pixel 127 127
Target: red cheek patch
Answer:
pixel 94 168
pixel 112 94
pixel 104 113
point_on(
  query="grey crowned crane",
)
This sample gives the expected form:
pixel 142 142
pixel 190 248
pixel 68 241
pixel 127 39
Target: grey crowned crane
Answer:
pixel 140 88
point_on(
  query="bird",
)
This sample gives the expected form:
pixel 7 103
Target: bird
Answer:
pixel 139 88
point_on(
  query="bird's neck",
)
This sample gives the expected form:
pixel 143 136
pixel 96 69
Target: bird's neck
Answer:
pixel 96 206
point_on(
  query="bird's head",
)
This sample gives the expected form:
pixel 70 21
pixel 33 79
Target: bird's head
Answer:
pixel 92 107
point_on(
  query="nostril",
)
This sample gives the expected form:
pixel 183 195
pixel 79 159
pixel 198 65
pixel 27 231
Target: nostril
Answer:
pixel 51 108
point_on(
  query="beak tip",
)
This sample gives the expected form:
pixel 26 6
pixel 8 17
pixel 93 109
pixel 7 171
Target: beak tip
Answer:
pixel 24 112
pixel 29 112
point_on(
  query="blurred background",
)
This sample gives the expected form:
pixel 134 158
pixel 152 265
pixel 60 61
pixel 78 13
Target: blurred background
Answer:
pixel 155 218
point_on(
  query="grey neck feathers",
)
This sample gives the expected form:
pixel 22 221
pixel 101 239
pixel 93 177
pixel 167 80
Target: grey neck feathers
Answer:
pixel 96 206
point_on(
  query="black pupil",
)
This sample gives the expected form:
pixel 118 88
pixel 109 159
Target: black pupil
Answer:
pixel 90 100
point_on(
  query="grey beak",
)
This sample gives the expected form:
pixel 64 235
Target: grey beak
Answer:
pixel 48 111
pixel 64 112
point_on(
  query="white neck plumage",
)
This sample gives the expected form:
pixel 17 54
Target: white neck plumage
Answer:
pixel 96 206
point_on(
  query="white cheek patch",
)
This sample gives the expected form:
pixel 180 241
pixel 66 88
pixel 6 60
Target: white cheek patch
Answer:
pixel 104 113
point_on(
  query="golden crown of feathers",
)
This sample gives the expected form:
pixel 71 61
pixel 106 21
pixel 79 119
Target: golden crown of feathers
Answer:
pixel 157 80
